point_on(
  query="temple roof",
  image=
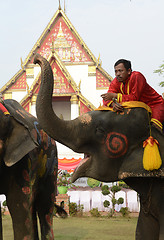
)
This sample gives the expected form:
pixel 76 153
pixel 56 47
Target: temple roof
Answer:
pixel 61 43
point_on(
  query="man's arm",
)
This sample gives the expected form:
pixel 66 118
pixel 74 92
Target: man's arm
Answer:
pixel 112 93
pixel 136 87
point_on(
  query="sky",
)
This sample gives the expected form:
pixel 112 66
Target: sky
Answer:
pixel 130 29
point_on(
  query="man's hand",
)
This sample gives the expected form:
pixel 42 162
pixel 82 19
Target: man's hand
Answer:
pixel 108 96
pixel 117 107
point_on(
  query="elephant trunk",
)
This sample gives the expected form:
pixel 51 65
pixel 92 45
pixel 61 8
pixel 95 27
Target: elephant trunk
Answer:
pixel 60 130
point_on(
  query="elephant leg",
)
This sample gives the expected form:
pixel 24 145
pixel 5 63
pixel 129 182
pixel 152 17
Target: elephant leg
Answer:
pixel 22 214
pixel 45 207
pixel 147 227
pixel 161 215
pixel 1 231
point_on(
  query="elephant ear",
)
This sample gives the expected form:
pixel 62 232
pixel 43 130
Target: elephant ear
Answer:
pixel 18 144
pixel 132 166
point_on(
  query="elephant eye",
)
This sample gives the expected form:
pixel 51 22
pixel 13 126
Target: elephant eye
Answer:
pixel 100 132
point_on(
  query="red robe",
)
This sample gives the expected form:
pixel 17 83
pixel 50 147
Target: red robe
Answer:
pixel 3 109
pixel 137 89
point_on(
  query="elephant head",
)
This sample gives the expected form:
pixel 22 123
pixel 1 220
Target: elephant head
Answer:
pixel 15 138
pixel 112 143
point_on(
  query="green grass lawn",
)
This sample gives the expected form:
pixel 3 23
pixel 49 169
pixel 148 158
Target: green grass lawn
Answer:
pixel 95 228
pixel 86 228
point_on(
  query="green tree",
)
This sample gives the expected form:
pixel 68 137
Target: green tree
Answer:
pixel 111 193
pixel 160 72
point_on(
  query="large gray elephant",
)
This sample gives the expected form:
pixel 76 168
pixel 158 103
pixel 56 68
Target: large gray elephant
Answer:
pixel 28 172
pixel 113 148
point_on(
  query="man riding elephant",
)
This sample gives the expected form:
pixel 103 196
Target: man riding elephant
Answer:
pixel 112 143
pixel 132 86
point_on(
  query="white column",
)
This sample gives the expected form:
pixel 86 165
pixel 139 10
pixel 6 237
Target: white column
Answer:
pixel 74 107
pixel 33 105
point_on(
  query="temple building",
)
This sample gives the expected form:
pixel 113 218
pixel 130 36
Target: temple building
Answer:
pixel 79 78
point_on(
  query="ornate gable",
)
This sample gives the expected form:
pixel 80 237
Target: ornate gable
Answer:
pixel 61 84
pixel 20 84
pixel 101 81
pixel 63 41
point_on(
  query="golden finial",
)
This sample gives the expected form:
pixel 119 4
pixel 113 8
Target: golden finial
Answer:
pixel 60 33
pixel 79 86
pixel 64 6
pixel 21 62
pixel 59 5
pixel 28 88
pixel 99 62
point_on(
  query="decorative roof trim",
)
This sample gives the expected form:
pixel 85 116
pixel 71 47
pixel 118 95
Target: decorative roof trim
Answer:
pixel 12 80
pixel 86 102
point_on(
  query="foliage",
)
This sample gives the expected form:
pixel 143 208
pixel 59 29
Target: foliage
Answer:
pixel 80 209
pixel 95 212
pixel 72 209
pixel 3 210
pixel 106 203
pixel 160 72
pixel 111 193
pixel 4 203
pixel 93 182
pixel 122 184
pixel 75 210
pixel 124 211
pixel 105 190
pixel 64 179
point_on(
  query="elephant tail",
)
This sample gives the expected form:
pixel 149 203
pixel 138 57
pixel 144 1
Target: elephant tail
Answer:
pixel 60 211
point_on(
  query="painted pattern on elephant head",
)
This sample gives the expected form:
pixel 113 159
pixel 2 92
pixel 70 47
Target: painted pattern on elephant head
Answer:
pixel 116 144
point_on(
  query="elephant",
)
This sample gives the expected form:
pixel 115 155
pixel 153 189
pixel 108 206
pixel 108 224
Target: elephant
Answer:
pixel 112 144
pixel 28 172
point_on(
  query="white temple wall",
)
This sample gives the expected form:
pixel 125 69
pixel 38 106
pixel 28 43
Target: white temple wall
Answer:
pixel 37 69
pixel 33 109
pixel 18 95
pixel 133 202
pixel 74 110
pixel 98 96
pixel 64 108
pixel 88 83
pixel 94 199
pixel 78 72
pixel 120 194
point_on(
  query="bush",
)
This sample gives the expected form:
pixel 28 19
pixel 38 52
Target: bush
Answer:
pixel 72 209
pixel 115 189
pixel 80 209
pixel 4 204
pixel 120 200
pixel 106 203
pixel 105 190
pixel 124 211
pixel 122 184
pixel 95 212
